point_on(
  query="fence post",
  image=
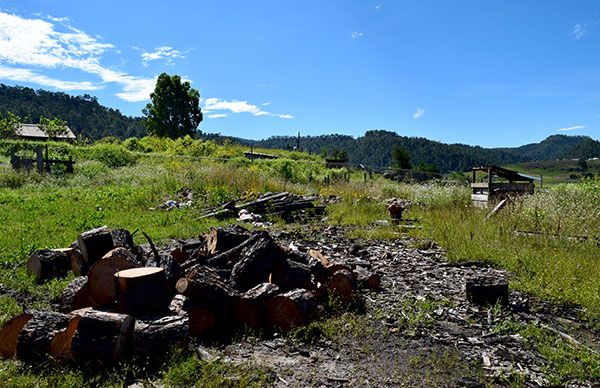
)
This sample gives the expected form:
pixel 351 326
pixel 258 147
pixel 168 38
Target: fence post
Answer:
pixel 39 153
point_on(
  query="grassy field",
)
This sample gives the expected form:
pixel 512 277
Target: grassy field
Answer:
pixel 555 172
pixel 117 183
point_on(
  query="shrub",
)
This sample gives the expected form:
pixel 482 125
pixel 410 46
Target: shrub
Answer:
pixel 111 155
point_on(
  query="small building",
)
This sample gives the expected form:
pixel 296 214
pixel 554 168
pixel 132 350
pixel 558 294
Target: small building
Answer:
pixel 499 183
pixel 34 132
pixel 258 155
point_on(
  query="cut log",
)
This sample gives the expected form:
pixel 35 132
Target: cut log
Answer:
pixel 229 258
pixel 122 238
pixel 201 321
pixel 341 285
pixel 257 262
pixel 9 334
pixel 173 271
pixel 101 278
pixel 316 267
pixel 334 267
pixel 319 256
pixel 289 275
pixel 155 336
pixel 487 291
pixel 291 309
pixel 61 345
pixel 102 338
pixel 142 292
pixel 34 340
pixel 179 305
pixel 223 239
pixel 250 309
pixel 78 265
pixel 367 279
pixel 94 244
pixel 76 296
pixel 208 291
pixel 47 264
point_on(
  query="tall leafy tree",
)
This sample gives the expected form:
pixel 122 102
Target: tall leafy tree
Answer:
pixel 174 111
pixel 53 127
pixel 400 157
pixel 8 124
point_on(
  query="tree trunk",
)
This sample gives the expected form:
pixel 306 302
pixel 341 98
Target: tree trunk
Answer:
pixel 291 309
pixel 94 244
pixel 47 264
pixel 101 277
pixel 34 340
pixel 102 338
pixel 223 239
pixel 257 262
pixel 155 336
pixel 76 296
pixel 367 279
pixel 142 291
pixel 341 285
pixel 250 309
pixel 9 334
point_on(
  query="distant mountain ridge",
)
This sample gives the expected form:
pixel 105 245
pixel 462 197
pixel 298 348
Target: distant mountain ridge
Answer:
pixel 85 116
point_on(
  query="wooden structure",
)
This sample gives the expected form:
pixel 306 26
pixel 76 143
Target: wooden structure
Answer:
pixel 257 155
pixel 336 163
pixel 34 132
pixel 42 162
pixel 500 183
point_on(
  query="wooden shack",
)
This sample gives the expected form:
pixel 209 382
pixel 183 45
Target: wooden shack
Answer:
pixel 499 183
pixel 257 155
pixel 34 132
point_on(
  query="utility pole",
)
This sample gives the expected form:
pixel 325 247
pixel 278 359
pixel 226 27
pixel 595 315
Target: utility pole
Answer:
pixel 298 143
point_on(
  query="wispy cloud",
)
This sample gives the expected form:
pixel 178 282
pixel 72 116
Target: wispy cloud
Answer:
pixel 36 44
pixel 378 6
pixel 573 128
pixel 166 53
pixel 356 35
pixel 266 104
pixel 418 113
pixel 235 106
pixel 579 31
pixel 217 115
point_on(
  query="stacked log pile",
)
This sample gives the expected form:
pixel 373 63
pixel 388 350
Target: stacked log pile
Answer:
pixel 130 300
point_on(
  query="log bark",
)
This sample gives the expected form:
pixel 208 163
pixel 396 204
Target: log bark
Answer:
pixel 122 238
pixel 341 285
pixel 367 279
pixel 229 258
pixel 173 271
pixel 202 321
pixel 61 345
pixel 101 278
pixel 317 269
pixel 289 275
pixel 257 262
pixel 291 309
pixel 156 336
pixel 76 296
pixel 208 291
pixel 47 264
pixel 78 265
pixel 36 335
pixel 94 244
pixel 223 239
pixel 142 292
pixel 319 256
pixel 101 338
pixel 250 309
pixel 9 334
pixel 487 291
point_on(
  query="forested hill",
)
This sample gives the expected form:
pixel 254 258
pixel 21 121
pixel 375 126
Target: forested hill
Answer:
pixel 83 114
pixel 374 149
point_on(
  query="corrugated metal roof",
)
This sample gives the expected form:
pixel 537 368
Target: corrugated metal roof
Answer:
pixel 33 130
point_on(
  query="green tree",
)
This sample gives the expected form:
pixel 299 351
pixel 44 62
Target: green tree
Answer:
pixel 174 111
pixel 582 164
pixel 53 127
pixel 8 124
pixel 400 158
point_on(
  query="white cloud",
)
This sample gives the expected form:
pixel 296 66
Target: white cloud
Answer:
pixel 236 106
pixel 356 35
pixel 217 115
pixel 378 6
pixel 573 128
pixel 579 31
pixel 26 75
pixel 36 43
pixel 164 52
pixel 418 113
pixel 266 104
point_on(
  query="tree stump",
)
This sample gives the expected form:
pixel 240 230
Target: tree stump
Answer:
pixel 9 334
pixel 291 309
pixel 223 239
pixel 487 291
pixel 101 338
pixel 155 336
pixel 47 264
pixel 250 309
pixel 142 291
pixel 101 278
pixel 76 296
pixel 36 335
pixel 256 263
pixel 94 244
pixel 341 285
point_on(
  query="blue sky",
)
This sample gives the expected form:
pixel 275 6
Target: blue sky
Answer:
pixel 492 73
